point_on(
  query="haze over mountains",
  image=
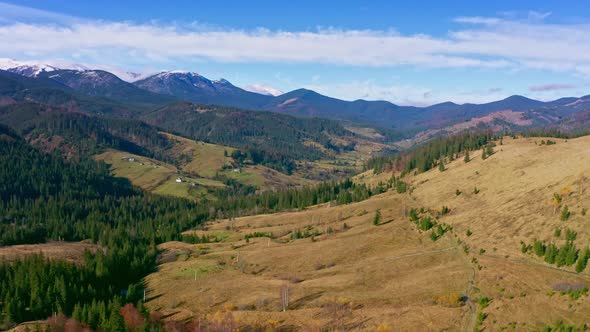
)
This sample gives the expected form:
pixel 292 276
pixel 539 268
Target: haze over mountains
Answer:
pixel 168 86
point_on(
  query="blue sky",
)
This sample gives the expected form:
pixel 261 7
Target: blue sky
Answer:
pixel 415 53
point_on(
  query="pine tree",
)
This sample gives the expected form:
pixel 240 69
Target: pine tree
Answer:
pixel 441 166
pixel 466 159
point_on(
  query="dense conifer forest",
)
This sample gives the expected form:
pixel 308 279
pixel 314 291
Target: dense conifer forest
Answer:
pixel 271 139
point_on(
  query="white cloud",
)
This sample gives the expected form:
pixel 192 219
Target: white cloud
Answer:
pixel 263 89
pixel 405 94
pixel 482 42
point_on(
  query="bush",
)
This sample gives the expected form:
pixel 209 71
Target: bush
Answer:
pixel 570 235
pixel 425 223
pixel 452 300
pixel 483 302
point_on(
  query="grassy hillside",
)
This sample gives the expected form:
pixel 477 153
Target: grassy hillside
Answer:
pixel 202 166
pixel 205 159
pixel 155 176
pixel 344 272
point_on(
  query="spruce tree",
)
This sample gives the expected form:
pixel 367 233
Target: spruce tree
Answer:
pixel 466 159
pixel 377 217
pixel 571 254
pixel 565 213
pixel 550 253
pixel 583 260
pixel 539 248
pixel 441 166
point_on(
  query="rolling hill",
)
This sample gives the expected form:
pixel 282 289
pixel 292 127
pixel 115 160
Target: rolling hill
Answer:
pixel 341 271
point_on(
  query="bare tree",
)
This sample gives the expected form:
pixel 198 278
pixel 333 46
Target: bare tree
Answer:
pixel 285 296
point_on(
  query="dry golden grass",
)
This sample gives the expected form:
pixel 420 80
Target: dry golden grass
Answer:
pixel 388 272
pixel 393 275
pixel 70 251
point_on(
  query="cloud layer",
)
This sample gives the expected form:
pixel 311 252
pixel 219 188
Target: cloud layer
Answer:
pixel 480 42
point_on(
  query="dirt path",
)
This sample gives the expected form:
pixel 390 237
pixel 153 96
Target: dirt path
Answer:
pixel 470 325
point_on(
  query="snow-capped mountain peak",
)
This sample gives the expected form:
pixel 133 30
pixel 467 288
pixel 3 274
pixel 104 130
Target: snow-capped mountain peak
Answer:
pixel 25 68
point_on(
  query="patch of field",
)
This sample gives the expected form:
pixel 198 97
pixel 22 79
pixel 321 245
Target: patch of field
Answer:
pixel 143 172
pixel 206 159
pixel 365 131
pixel 70 251
pixel 265 177
pixel 156 176
pixel 344 164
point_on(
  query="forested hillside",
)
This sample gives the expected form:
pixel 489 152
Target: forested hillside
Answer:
pixel 43 197
pixel 267 138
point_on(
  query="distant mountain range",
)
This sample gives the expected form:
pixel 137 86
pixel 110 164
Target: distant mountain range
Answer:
pixel 166 87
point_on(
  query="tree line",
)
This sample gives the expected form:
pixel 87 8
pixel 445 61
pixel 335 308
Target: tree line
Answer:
pixel 426 157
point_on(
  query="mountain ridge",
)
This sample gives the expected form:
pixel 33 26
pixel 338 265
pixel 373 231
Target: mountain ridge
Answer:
pixel 169 86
